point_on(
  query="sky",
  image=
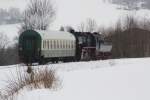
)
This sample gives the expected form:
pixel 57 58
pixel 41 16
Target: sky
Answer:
pixel 13 3
pixel 73 12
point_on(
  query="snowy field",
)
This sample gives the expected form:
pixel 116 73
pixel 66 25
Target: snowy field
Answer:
pixel 119 79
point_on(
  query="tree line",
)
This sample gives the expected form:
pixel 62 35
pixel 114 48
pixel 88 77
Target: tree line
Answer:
pixel 10 16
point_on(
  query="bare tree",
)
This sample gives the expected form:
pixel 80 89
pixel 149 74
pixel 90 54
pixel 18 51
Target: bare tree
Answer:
pixel 131 22
pixel 132 41
pixel 15 16
pixel 82 27
pixel 38 15
pixel 89 26
pixel 3 45
pixel 3 41
pixel 10 16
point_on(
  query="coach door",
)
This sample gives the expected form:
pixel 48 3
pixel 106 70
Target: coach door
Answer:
pixel 30 47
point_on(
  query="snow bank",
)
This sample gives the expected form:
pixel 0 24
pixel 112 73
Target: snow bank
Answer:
pixel 122 79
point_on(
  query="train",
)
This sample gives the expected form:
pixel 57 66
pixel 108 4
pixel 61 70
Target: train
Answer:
pixel 44 46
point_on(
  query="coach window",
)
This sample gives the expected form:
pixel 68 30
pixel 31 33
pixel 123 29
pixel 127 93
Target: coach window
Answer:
pixel 43 44
pixel 57 44
pixel 69 44
pixel 51 44
pixel 66 44
pixel 54 44
pixel 72 44
pixel 47 44
pixel 63 44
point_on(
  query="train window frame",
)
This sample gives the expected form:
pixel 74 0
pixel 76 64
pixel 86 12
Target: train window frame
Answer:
pixel 63 44
pixel 43 44
pixel 48 44
pixel 54 44
pixel 66 44
pixel 60 44
pixel 57 44
pixel 72 44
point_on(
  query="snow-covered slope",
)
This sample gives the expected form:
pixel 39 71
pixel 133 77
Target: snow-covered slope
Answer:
pixel 124 79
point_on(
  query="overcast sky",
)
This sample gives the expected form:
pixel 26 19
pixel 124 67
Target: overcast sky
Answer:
pixel 73 12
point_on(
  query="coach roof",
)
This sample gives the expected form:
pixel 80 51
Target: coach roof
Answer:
pixel 55 35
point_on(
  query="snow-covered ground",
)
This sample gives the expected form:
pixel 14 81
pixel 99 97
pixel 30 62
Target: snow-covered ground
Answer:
pixel 118 79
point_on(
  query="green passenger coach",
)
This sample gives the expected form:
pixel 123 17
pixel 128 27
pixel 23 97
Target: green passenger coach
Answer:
pixel 30 46
pixel 43 46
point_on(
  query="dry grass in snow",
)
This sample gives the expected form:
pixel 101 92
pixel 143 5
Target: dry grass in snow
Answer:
pixel 41 78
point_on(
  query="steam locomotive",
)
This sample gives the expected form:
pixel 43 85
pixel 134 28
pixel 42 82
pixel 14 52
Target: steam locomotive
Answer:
pixel 53 46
